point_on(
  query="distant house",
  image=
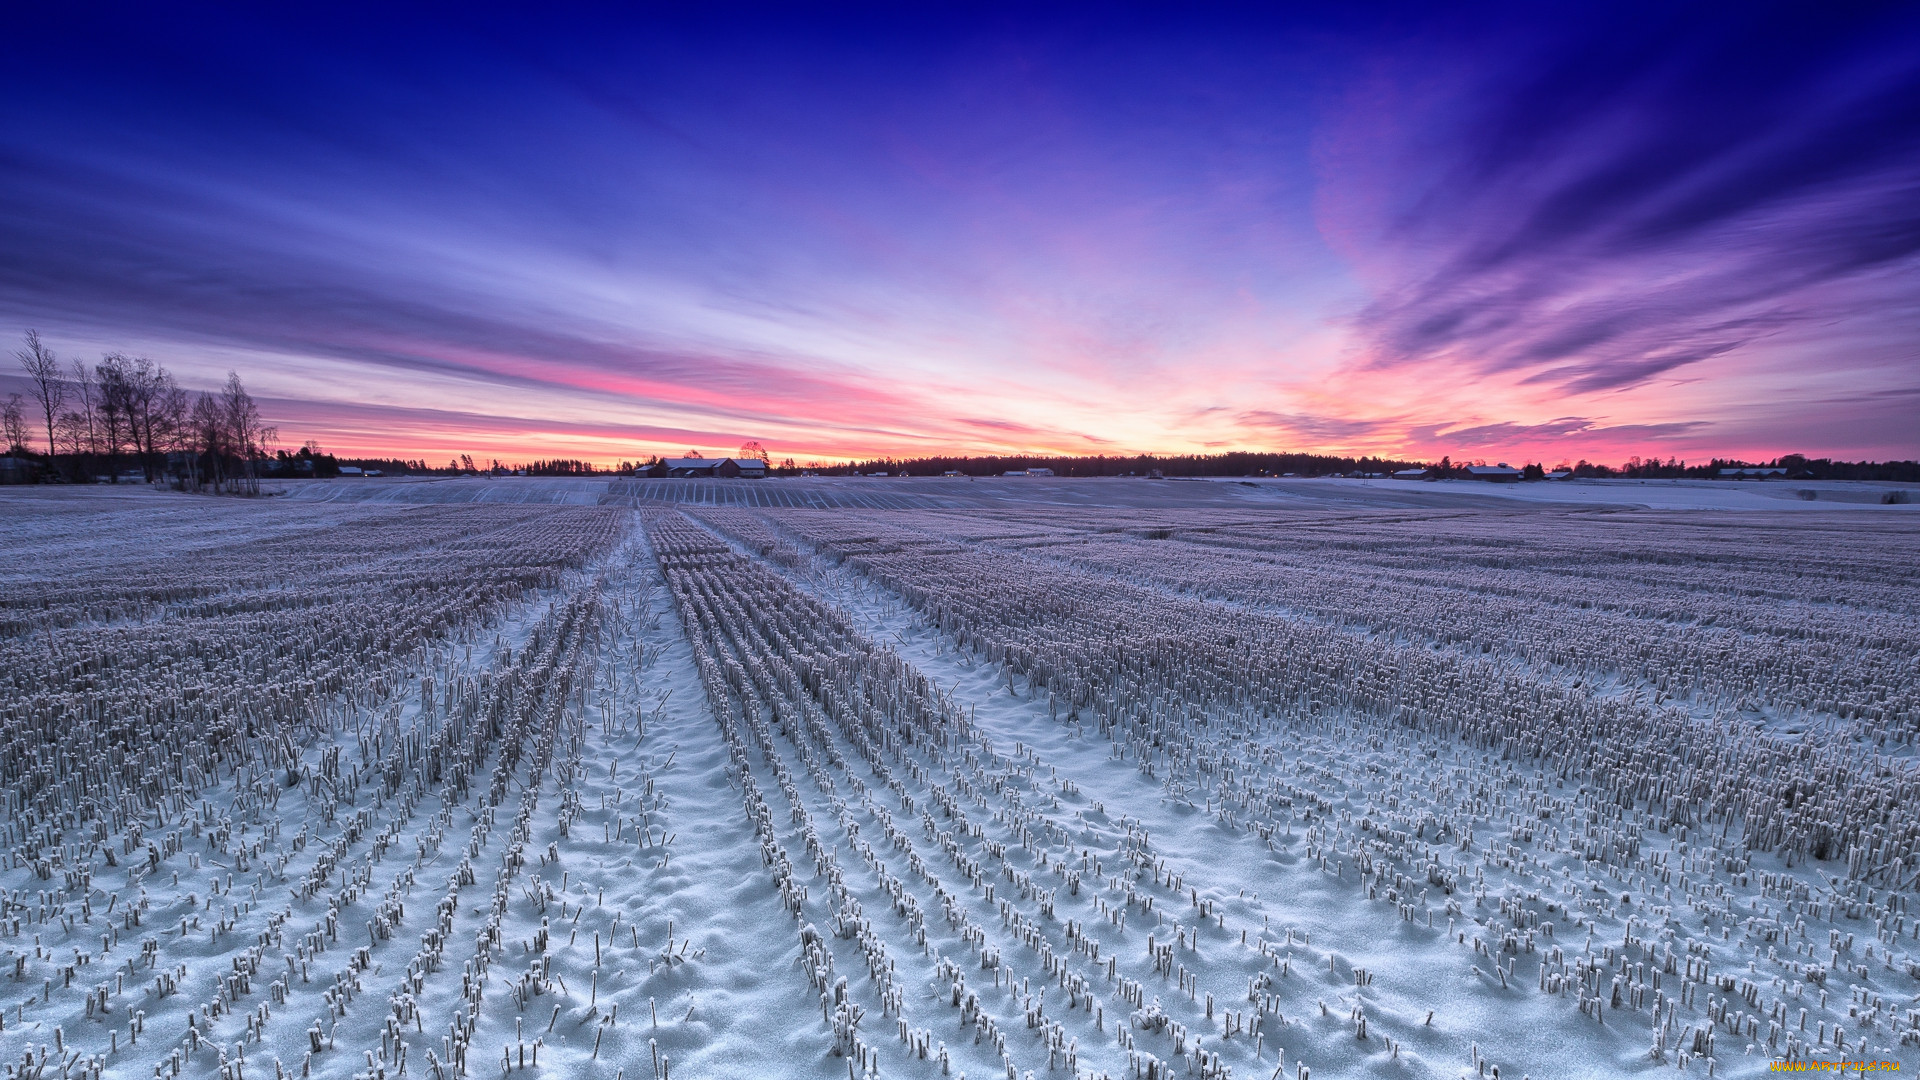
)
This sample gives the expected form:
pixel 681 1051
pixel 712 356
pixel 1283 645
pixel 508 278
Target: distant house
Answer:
pixel 706 468
pixel 1560 474
pixel 689 467
pixel 1410 474
pixel 1039 472
pixel 951 472
pixel 352 470
pixel 1751 473
pixel 15 470
pixel 751 468
pixel 1014 472
pixel 1502 473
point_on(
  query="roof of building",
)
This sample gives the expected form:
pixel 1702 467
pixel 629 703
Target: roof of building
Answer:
pixel 710 464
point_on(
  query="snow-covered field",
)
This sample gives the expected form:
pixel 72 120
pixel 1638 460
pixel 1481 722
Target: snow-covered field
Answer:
pixel 445 489
pixel 1111 493
pixel 937 778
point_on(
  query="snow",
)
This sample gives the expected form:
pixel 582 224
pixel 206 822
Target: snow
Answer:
pixel 546 490
pixel 614 822
pixel 1273 892
pixel 1050 493
pixel 1769 495
pixel 1093 493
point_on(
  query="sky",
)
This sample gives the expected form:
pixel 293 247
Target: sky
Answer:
pixel 1523 232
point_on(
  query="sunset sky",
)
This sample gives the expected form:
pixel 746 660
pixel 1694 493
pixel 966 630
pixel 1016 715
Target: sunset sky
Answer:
pixel 1538 232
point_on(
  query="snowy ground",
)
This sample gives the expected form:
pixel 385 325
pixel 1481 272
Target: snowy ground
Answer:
pixel 1418 969
pixel 1768 495
pixel 444 489
pixel 840 832
pixel 1054 493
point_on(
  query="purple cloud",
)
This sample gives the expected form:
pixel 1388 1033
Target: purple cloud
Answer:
pixel 1638 201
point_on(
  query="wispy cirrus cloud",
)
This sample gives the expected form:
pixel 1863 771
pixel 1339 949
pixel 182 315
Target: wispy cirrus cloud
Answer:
pixel 1618 207
pixel 1509 434
pixel 1322 430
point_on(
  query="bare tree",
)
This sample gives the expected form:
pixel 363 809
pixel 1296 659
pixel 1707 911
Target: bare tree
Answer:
pixel 75 438
pixel 13 418
pixel 751 450
pixel 248 435
pixel 208 426
pixel 136 381
pixel 83 422
pixel 49 389
pixel 171 431
pixel 115 408
pixel 151 397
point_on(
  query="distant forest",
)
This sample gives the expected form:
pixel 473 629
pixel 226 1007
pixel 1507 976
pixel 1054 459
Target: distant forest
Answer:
pixel 1236 463
pixel 464 465
pixel 1247 463
pixel 1798 466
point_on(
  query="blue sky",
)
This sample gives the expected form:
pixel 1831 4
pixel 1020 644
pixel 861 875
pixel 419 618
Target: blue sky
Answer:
pixel 1518 232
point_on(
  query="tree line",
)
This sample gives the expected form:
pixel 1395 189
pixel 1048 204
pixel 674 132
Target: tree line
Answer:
pixel 128 413
pixel 1254 463
pixel 1797 466
pixel 1234 463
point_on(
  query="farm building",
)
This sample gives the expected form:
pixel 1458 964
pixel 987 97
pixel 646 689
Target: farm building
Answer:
pixel 1502 473
pixel 15 470
pixel 707 468
pixel 1410 474
pixel 704 468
